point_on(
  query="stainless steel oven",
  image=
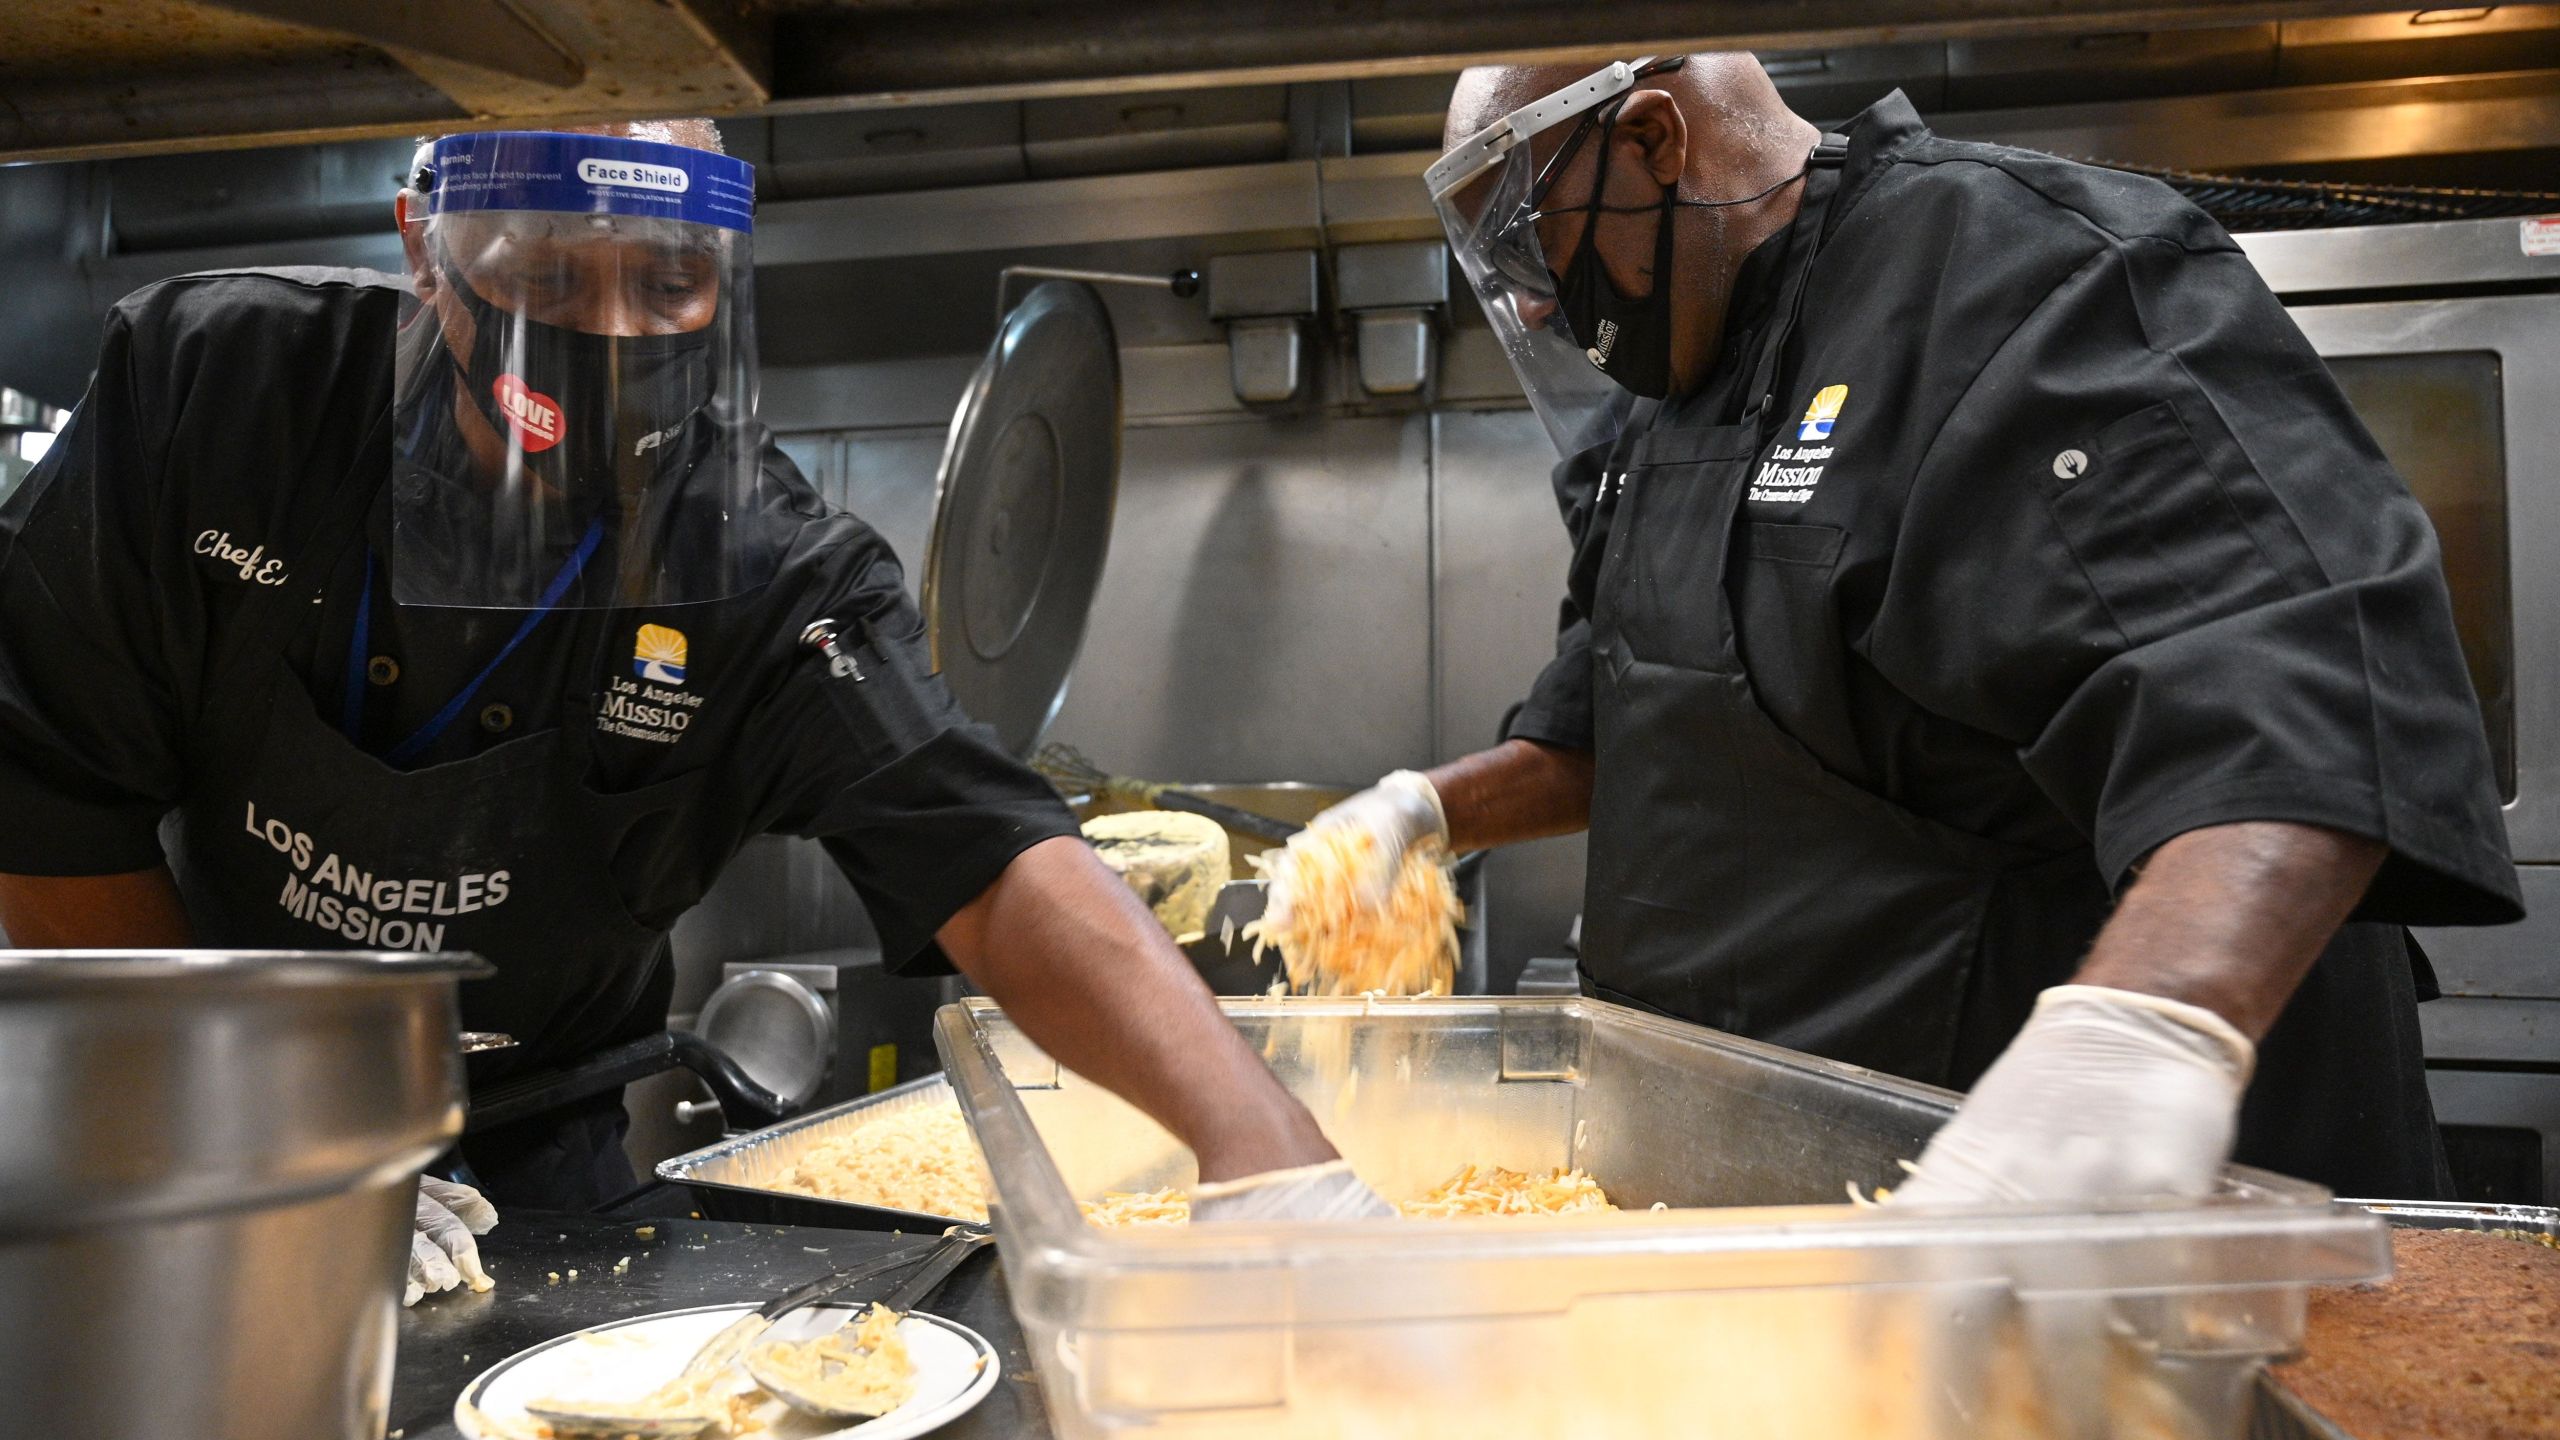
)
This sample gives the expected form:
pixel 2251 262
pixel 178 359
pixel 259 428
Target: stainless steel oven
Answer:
pixel 2446 337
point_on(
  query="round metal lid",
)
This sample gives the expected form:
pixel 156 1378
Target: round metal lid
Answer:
pixel 1023 521
pixel 778 1030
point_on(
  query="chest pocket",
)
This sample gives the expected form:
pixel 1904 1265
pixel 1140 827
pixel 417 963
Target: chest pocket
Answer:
pixel 1673 539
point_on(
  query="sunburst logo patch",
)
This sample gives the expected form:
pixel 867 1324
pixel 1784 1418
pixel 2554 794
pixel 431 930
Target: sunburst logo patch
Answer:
pixel 658 655
pixel 1819 415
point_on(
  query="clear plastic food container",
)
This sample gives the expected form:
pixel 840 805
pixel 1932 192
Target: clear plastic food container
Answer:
pixel 1764 1305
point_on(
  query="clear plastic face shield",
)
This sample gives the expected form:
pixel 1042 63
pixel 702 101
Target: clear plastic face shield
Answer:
pixel 1488 190
pixel 574 413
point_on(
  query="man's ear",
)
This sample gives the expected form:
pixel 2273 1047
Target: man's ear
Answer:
pixel 1652 119
pixel 413 247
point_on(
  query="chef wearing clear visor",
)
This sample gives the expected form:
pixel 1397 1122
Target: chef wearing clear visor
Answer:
pixel 1992 653
pixel 474 610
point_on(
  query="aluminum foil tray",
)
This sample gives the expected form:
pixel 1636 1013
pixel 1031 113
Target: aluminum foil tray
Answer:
pixel 2283 1415
pixel 735 1179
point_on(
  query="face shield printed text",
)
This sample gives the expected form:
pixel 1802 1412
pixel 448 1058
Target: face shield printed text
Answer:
pixel 385 912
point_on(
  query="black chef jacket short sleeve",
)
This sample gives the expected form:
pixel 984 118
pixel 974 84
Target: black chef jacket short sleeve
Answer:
pixel 112 582
pixel 919 807
pixel 2153 547
pixel 87 754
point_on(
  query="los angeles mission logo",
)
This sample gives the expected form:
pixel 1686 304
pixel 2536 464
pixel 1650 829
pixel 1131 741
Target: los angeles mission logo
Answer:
pixel 377 909
pixel 1790 474
pixel 532 415
pixel 649 706
pixel 1598 354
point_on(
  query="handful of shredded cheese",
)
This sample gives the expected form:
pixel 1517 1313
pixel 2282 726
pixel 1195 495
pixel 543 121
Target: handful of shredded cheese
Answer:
pixel 1332 941
pixel 921 1159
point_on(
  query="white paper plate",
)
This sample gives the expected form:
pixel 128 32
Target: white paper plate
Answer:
pixel 623 1360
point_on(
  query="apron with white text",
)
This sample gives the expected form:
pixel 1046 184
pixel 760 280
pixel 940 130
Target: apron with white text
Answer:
pixel 290 836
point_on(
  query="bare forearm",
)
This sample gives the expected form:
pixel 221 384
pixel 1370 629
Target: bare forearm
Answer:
pixel 1518 790
pixel 139 910
pixel 1090 976
pixel 2231 917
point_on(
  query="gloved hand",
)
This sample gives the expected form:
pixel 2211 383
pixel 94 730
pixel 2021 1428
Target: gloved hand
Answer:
pixel 2104 1094
pixel 442 1252
pixel 1398 813
pixel 1310 1192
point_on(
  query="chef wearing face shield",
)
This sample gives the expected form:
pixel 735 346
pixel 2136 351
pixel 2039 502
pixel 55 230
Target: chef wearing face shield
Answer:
pixel 1993 652
pixel 471 612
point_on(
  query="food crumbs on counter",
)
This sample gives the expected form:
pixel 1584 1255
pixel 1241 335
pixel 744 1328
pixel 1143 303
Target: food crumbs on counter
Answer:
pixel 573 1274
pixel 555 1276
pixel 622 1266
pixel 646 1231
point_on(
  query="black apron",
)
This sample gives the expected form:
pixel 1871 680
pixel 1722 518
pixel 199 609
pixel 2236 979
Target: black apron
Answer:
pixel 1737 882
pixel 292 837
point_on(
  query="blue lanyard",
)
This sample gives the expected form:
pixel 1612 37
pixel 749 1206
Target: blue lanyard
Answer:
pixel 351 712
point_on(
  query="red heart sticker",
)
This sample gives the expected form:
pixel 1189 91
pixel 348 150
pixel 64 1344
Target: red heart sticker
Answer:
pixel 532 415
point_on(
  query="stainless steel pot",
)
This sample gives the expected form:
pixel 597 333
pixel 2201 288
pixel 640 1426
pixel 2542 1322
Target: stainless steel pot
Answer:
pixel 207 1162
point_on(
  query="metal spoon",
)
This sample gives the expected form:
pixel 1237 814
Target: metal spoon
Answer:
pixel 958 1244
pixel 657 1416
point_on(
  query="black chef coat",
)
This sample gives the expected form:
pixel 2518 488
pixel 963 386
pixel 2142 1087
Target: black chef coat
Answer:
pixel 227 412
pixel 2067 541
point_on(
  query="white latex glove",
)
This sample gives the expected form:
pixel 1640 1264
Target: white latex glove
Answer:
pixel 442 1252
pixel 1398 813
pixel 2105 1094
pixel 1310 1192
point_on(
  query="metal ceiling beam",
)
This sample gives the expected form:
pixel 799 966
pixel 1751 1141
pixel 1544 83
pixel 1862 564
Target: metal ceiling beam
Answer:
pixel 2309 125
pixel 181 75
pixel 490 34
pixel 641 58
pixel 166 84
pixel 834 54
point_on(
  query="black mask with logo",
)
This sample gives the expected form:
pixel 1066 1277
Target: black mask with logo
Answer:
pixel 1628 337
pixel 597 416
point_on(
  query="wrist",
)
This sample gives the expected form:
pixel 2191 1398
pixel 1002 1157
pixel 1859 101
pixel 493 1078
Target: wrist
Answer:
pixel 1421 799
pixel 2196 1029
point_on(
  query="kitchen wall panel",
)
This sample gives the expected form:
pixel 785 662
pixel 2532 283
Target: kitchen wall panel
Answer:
pixel 1499 563
pixel 1266 612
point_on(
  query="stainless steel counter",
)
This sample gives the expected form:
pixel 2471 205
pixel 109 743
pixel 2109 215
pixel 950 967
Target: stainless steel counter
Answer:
pixel 447 1340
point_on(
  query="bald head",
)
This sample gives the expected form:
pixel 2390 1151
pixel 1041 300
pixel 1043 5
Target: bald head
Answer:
pixel 693 131
pixel 1732 109
pixel 1707 150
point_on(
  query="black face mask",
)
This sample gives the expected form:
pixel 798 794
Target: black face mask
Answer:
pixel 1628 339
pixel 597 415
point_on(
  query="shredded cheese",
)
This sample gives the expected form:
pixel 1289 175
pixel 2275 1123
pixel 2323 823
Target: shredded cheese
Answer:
pixel 1333 942
pixel 920 1159
pixel 1496 1191
pixel 1474 1190
pixel 1128 1208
